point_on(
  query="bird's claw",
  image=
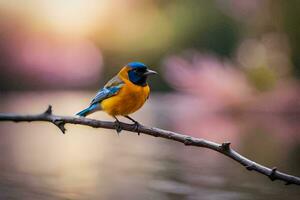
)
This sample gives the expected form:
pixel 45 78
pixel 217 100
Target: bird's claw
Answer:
pixel 137 127
pixel 118 127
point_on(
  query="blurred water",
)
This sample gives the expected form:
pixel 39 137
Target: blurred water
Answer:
pixel 38 162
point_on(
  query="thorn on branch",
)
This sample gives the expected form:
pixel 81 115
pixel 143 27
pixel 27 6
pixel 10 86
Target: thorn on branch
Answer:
pixel 60 124
pixel 225 146
pixel 48 111
pixel 272 174
pixel 188 141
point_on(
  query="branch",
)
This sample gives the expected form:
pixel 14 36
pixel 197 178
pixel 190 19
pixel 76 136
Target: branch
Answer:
pixel 223 148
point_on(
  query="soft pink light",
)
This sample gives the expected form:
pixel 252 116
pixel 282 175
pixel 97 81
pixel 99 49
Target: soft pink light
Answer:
pixel 210 78
pixel 55 60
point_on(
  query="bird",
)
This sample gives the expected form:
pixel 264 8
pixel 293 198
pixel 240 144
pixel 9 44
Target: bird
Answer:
pixel 122 95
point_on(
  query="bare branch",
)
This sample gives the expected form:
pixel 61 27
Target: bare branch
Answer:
pixel 223 148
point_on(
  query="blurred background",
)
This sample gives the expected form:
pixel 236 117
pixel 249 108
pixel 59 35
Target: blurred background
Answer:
pixel 229 70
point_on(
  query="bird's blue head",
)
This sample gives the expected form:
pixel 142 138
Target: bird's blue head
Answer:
pixel 138 73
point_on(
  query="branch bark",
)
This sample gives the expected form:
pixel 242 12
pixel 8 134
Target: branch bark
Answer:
pixel 223 148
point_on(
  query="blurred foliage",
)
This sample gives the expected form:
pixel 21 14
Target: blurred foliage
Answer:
pixel 291 21
pixel 180 25
pixel 263 78
pixel 147 31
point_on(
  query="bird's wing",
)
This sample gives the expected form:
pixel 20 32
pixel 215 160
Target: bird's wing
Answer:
pixel 115 81
pixel 111 88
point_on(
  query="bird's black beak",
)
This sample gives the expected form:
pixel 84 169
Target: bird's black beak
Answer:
pixel 149 72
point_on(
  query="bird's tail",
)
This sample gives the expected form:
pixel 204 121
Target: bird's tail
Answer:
pixel 89 110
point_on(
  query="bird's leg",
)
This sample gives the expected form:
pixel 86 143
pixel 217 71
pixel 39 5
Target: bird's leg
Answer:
pixel 117 125
pixel 136 124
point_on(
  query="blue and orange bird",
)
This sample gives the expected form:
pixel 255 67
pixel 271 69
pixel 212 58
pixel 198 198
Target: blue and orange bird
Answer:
pixel 124 94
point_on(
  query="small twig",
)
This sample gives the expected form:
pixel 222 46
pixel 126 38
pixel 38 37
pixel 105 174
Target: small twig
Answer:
pixel 272 175
pixel 223 148
pixel 48 111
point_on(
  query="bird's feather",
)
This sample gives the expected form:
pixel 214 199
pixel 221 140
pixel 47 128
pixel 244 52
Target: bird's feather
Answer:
pixel 111 88
pixel 115 81
pixel 89 110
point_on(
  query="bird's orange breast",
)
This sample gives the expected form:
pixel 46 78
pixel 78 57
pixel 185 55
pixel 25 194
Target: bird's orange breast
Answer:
pixel 129 99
